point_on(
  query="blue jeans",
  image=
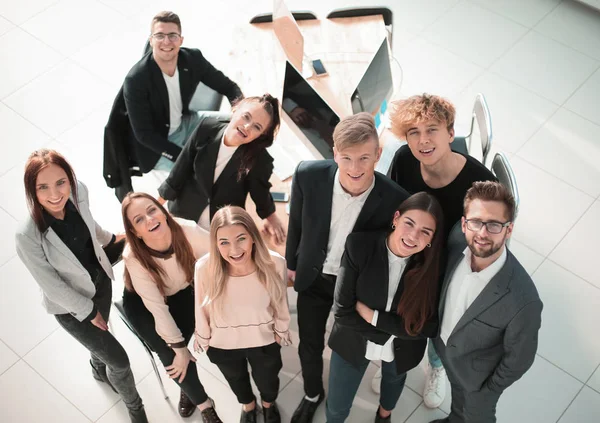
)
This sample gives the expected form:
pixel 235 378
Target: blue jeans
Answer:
pixel 434 359
pixel 344 380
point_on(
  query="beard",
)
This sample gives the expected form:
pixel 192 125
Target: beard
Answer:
pixel 487 251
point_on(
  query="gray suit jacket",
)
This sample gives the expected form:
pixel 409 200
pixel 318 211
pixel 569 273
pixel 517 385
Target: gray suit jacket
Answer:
pixel 495 341
pixel 66 285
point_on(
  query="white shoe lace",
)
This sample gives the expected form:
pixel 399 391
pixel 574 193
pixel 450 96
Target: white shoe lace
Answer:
pixel 434 380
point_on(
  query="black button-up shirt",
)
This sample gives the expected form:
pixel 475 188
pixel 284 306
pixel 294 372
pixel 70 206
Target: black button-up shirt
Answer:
pixel 73 231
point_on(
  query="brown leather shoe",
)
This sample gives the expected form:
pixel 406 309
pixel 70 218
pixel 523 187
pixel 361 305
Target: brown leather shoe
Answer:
pixel 210 416
pixel 186 406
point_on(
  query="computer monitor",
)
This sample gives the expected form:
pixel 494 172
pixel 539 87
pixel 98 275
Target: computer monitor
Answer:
pixel 375 87
pixel 309 111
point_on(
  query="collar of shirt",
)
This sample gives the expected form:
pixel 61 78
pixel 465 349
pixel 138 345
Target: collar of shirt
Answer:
pixel 489 272
pixel 393 259
pixel 51 220
pixel 338 189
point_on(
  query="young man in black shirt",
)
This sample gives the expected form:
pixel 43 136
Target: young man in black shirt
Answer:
pixel 428 164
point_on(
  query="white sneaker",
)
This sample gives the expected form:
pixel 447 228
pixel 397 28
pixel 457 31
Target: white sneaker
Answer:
pixel 435 387
pixel 376 382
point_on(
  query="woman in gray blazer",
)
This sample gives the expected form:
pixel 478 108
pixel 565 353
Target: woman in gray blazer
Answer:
pixel 61 246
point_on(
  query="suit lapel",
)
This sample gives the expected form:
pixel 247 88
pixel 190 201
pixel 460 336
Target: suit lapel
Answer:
pixel 206 165
pixel 231 168
pixel 494 291
pixel 158 82
pixel 185 80
pixel 61 246
pixel 369 208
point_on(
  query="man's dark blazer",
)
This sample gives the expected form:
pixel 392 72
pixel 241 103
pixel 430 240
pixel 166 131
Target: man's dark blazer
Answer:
pixel 364 276
pixel 310 216
pixel 147 101
pixel 495 341
pixel 190 188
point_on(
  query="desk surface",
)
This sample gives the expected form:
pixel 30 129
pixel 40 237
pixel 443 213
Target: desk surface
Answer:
pixel 346 47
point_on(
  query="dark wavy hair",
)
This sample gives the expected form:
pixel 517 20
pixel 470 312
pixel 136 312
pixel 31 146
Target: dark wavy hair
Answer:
pixel 251 150
pixel 419 298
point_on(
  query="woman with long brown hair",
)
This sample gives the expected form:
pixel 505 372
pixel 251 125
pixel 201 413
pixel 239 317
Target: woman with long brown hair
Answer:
pixel 158 299
pixel 61 246
pixel 225 160
pixel 242 314
pixel 385 304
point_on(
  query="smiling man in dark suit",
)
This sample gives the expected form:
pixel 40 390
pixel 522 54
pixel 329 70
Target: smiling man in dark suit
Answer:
pixel 158 91
pixel 330 199
pixel 489 308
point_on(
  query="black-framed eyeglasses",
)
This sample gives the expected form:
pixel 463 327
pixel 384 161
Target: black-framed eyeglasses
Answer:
pixel 172 36
pixel 492 227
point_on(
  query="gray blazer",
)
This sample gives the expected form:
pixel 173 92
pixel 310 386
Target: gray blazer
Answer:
pixel 66 285
pixel 495 341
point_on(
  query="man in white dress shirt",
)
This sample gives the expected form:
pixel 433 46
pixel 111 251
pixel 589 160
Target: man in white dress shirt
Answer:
pixel 489 308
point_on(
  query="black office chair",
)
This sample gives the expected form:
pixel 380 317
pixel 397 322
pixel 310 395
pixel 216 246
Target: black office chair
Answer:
pixel 299 15
pixel 354 12
pixel 121 312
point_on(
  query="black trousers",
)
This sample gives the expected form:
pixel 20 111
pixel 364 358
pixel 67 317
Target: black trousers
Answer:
pixel 314 305
pixel 181 306
pixel 104 348
pixel 265 363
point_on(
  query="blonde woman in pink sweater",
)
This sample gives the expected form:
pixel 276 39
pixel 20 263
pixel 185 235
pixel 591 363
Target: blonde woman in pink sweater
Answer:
pixel 242 313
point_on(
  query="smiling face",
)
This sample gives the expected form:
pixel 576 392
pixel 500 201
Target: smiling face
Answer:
pixel 249 121
pixel 414 230
pixel 235 245
pixel 482 243
pixel 357 165
pixel 53 190
pixel 147 220
pixel 429 141
pixel 165 50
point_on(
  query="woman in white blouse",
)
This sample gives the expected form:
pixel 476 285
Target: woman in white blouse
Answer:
pixel 385 304
pixel 159 258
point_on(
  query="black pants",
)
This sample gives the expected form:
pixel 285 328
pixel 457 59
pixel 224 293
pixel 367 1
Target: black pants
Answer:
pixel 181 307
pixel 265 363
pixel 314 305
pixel 104 348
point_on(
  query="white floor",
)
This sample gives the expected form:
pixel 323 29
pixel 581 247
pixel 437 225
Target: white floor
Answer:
pixel 537 62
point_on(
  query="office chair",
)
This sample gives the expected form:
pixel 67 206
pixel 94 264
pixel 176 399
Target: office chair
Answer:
pixel 299 15
pixel 502 169
pixel 353 12
pixel 481 115
pixel 121 312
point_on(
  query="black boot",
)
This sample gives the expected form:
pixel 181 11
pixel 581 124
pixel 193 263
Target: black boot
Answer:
pixel 99 373
pixel 271 414
pixel 138 416
pixel 186 406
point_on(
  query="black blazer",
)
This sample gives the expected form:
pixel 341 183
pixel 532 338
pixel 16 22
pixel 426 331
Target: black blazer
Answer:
pixel 190 188
pixel 147 101
pixel 364 276
pixel 310 216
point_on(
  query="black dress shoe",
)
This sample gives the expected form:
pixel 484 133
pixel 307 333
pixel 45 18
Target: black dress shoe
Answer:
pixel 379 419
pixel 271 414
pixel 248 416
pixel 210 415
pixel 186 406
pixel 306 410
pixel 99 373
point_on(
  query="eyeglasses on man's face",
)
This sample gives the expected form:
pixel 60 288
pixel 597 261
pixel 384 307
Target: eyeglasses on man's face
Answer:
pixel 492 227
pixel 172 36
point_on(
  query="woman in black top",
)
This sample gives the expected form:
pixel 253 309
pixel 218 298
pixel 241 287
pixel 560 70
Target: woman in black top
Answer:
pixel 385 304
pixel 61 246
pixel 223 161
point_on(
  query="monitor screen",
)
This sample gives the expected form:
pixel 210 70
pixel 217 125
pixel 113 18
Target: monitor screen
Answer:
pixel 376 86
pixel 309 111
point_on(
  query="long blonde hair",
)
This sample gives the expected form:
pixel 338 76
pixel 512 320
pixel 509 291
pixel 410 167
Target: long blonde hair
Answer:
pixel 216 273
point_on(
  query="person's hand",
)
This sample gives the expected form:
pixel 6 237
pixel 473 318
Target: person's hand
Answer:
pixel 364 311
pixel 119 237
pixel 274 227
pixel 300 116
pixel 278 339
pixel 178 369
pixel 199 348
pixel 291 275
pixel 99 322
pixel 161 201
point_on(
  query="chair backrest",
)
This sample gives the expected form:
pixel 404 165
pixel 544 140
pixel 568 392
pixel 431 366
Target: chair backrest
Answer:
pixel 354 12
pixel 481 115
pixel 299 15
pixel 502 169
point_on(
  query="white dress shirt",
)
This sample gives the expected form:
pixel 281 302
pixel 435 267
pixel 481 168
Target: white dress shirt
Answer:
pixel 344 211
pixel 465 286
pixel 396 267
pixel 175 102
pixel 223 157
